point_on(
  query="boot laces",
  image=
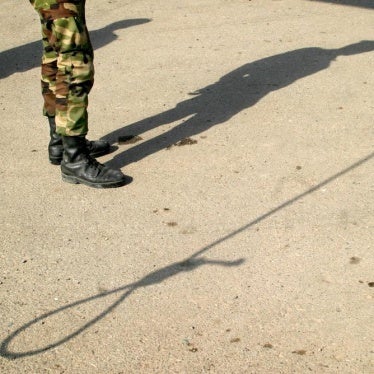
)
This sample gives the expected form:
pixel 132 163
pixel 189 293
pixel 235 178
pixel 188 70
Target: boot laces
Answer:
pixel 94 164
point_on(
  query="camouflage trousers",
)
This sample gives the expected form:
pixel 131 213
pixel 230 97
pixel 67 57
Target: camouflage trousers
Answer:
pixel 67 64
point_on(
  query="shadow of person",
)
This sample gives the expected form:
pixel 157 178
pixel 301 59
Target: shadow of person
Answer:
pixel 155 277
pixel 27 56
pixel 237 90
pixel 359 3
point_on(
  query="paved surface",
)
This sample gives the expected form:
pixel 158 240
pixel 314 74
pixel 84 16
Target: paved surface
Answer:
pixel 247 250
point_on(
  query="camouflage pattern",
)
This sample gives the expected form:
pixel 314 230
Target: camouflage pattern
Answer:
pixel 67 64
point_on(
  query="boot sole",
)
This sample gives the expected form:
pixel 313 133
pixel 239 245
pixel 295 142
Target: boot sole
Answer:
pixel 74 180
pixel 55 161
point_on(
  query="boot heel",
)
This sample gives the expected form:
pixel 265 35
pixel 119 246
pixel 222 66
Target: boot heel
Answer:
pixel 69 179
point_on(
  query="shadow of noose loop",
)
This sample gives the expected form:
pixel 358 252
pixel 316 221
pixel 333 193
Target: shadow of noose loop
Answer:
pixel 155 277
pixel 6 352
pixel 160 275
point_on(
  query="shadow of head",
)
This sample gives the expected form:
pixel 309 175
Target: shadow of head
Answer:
pixel 358 3
pixel 356 48
pixel 105 35
pixel 123 24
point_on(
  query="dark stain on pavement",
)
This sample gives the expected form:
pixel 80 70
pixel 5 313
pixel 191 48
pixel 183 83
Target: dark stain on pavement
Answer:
pixel 354 260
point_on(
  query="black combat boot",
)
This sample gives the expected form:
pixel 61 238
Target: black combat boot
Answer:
pixel 78 166
pixel 55 148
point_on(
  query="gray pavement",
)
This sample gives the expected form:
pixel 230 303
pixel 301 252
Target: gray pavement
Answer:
pixel 249 248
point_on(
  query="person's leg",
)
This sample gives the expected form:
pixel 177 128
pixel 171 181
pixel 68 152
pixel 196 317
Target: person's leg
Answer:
pixel 48 10
pixel 75 75
pixel 67 77
pixel 48 76
pixel 48 86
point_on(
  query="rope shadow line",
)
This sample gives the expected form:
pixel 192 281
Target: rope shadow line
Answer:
pixel 162 274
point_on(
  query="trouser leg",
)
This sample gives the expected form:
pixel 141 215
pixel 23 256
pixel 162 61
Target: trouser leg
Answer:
pixel 48 79
pixel 67 78
pixel 67 64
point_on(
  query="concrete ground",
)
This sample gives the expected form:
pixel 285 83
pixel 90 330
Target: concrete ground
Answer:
pixel 244 242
